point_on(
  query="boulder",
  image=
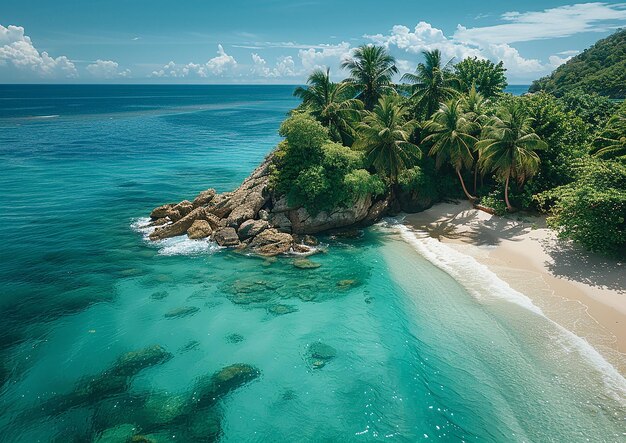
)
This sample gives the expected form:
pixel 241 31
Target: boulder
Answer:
pixel 270 242
pixel 180 227
pixel 226 237
pixel 161 211
pixel 281 222
pixel 305 263
pixel 214 221
pixel 199 229
pixel 303 222
pixel 204 198
pixel 160 222
pixel 180 210
pixel 251 228
pixel 263 214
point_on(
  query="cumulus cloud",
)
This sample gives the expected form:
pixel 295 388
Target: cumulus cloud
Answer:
pixel 107 69
pixel 562 21
pixel 17 50
pixel 217 66
pixel 285 67
pixel 323 55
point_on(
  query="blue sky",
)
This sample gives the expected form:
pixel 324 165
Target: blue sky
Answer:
pixel 277 41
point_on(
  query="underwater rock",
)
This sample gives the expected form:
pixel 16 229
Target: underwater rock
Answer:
pixel 204 198
pixel 161 211
pixel 344 284
pixel 350 234
pixel 280 309
pixel 270 242
pixel 119 434
pixel 234 338
pixel 204 426
pixel 159 295
pixel 192 345
pixel 199 229
pixel 208 390
pixel 226 237
pixel 289 394
pixel 251 228
pixel 319 354
pixel 183 311
pixel 129 364
pixel 161 409
pixel 305 263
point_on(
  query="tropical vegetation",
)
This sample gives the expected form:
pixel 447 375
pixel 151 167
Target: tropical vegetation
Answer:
pixel 449 130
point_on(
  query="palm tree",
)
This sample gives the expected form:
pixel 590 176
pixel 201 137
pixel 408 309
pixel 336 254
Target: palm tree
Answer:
pixel 611 143
pixel 433 83
pixel 371 71
pixel 509 147
pixel 331 104
pixel 450 133
pixel 384 135
pixel 474 106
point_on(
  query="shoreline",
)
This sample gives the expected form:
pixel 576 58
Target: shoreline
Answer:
pixel 583 292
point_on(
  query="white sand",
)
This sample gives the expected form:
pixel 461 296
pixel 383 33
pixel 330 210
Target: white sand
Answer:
pixel 583 292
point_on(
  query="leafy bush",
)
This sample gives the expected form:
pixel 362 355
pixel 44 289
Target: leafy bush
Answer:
pixel 495 201
pixel 592 108
pixel 316 173
pixel 592 210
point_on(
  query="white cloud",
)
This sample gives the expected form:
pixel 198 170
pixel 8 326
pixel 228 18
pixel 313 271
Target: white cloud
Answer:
pixel 107 69
pixel 217 66
pixel 562 21
pixel 323 55
pixel 17 50
pixel 285 67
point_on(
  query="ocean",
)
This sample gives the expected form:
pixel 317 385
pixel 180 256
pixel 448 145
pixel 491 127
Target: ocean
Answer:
pixel 391 338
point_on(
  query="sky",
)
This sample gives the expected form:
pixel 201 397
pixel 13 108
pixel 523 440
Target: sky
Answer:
pixel 281 42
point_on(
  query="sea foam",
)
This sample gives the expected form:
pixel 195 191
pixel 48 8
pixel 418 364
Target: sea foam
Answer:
pixel 180 245
pixel 485 285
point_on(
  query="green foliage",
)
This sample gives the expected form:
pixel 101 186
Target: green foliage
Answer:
pixel 600 69
pixel 432 83
pixel 611 141
pixel 495 201
pixel 332 104
pixel 418 178
pixel 592 108
pixel 488 77
pixel 315 172
pixel 592 210
pixel 360 182
pixel 384 136
pixel 371 71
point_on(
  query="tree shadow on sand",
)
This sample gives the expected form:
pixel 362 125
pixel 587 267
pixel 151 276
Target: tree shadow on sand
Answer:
pixel 477 232
pixel 571 262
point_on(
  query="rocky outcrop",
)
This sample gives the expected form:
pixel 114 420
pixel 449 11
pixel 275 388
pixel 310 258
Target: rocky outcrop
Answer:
pixel 226 237
pixel 270 242
pixel 199 229
pixel 254 220
pixel 179 227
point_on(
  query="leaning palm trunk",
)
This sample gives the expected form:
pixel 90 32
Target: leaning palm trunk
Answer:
pixel 506 195
pixel 469 196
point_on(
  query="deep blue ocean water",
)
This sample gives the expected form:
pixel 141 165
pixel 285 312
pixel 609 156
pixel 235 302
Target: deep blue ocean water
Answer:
pixel 422 353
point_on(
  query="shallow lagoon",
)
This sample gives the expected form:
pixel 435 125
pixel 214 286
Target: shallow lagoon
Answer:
pixel 409 354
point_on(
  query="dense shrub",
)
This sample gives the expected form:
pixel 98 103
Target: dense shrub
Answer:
pixel 592 210
pixel 316 173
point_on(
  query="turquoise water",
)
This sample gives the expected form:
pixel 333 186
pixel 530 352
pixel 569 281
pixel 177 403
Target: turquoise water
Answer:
pixel 415 355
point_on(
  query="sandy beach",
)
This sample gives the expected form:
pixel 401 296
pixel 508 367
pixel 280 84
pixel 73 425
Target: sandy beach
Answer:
pixel 583 292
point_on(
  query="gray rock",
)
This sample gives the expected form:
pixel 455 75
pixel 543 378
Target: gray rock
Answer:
pixel 302 222
pixel 280 309
pixel 251 228
pixel 199 229
pixel 263 215
pixel 226 237
pixel 281 222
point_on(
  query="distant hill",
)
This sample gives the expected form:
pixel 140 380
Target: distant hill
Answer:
pixel 601 69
